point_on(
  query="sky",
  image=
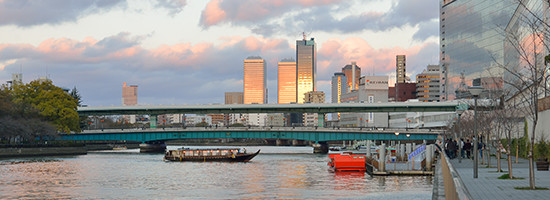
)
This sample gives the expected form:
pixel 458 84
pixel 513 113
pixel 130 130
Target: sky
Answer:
pixel 192 52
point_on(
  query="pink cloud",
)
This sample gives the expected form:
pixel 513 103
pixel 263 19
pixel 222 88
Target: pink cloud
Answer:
pixel 212 14
pixel 335 53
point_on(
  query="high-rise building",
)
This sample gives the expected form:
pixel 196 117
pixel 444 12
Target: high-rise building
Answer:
pixel 352 71
pixel 471 41
pixel 286 88
pixel 339 86
pixel 427 84
pixel 129 94
pixel 255 89
pixel 306 67
pixel 400 69
pixel 234 98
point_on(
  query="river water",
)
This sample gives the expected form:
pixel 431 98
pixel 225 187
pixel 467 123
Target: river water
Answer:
pixel 276 173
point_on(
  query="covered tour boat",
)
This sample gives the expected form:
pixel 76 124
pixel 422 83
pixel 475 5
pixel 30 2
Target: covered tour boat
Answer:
pixel 203 155
pixel 347 161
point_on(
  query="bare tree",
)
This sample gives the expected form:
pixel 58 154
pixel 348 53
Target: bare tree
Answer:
pixel 526 74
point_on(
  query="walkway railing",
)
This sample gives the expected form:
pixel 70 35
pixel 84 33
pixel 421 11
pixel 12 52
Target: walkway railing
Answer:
pixel 454 187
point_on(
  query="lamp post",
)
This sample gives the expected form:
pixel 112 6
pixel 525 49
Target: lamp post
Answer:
pixel 395 162
pixel 475 91
pixel 459 112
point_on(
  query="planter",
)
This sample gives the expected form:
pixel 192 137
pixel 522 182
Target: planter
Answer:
pixel 542 164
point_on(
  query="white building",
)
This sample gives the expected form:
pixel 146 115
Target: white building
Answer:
pixel 372 89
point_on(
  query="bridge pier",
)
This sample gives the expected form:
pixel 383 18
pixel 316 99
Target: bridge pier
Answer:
pixel 320 147
pixel 154 147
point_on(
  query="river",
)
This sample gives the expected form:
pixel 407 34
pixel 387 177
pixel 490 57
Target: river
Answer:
pixel 276 173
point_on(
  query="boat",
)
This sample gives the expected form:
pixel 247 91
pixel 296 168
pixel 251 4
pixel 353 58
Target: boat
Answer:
pixel 203 155
pixel 120 148
pixel 347 161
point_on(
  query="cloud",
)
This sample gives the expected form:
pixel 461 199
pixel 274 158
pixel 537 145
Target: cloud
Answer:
pixel 288 17
pixel 426 29
pixel 31 12
pixel 185 73
pixel 173 6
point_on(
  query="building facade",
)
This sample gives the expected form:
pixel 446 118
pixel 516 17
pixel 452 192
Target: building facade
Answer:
pixel 400 69
pixel 306 67
pixel 129 94
pixel 352 73
pixel 372 89
pixel 234 98
pixel 471 41
pixel 338 86
pixel 312 119
pixel 255 85
pixel 428 84
pixel 286 81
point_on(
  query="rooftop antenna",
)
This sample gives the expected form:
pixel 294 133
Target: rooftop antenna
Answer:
pixel 304 34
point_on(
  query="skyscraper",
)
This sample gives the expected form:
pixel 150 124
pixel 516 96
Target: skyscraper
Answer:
pixel 306 67
pixel 352 83
pixel 286 88
pixel 339 86
pixel 400 68
pixel 129 94
pixel 255 89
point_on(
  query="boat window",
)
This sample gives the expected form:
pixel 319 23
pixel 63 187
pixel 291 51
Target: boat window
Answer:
pixel 354 157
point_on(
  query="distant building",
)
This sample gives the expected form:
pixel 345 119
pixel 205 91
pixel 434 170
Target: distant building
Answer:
pixel 234 98
pixel 339 86
pixel 406 91
pixel 217 119
pixel 306 67
pixel 372 89
pixel 129 98
pixel 428 84
pixel 192 120
pixel 312 119
pixel 255 87
pixel 286 88
pixel 353 73
pixel 400 69
pixel 129 94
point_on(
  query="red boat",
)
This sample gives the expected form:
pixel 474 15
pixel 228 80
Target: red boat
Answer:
pixel 347 161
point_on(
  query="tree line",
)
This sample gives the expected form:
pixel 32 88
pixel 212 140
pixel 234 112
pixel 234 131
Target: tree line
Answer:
pixel 37 110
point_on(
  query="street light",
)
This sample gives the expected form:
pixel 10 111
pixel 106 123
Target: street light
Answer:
pixel 475 91
pixel 459 112
pixel 395 162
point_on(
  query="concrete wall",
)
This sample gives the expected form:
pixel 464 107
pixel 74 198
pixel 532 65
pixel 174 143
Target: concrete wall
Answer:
pixel 42 151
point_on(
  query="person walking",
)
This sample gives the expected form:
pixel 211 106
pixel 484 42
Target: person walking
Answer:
pixel 468 148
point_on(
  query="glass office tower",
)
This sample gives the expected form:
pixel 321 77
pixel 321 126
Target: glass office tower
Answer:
pixel 306 67
pixel 286 83
pixel 471 41
pixel 255 89
pixel 339 86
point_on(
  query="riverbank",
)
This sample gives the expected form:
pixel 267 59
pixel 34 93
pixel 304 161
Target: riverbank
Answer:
pixel 41 151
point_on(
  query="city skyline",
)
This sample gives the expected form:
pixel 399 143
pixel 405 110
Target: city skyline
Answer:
pixel 188 52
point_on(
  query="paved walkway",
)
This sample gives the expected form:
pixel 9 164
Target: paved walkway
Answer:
pixel 488 186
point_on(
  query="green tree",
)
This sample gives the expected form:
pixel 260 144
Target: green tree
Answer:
pixel 54 104
pixel 76 96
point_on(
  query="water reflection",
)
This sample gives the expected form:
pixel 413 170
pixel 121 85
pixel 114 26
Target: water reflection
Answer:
pixel 134 175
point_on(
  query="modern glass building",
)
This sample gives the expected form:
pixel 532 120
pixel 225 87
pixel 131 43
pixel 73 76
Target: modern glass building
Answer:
pixel 339 86
pixel 255 89
pixel 348 71
pixel 471 41
pixel 286 83
pixel 306 67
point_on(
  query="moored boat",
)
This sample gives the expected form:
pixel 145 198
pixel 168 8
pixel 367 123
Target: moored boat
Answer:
pixel 347 161
pixel 203 155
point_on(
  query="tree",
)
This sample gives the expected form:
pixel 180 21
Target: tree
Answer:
pixel 76 96
pixel 54 104
pixel 525 44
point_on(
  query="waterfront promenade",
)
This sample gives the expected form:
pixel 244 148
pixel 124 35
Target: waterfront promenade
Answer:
pixel 488 186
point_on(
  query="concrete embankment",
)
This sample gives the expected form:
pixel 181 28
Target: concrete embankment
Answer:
pixel 41 151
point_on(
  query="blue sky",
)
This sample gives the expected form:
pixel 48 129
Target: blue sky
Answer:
pixel 191 52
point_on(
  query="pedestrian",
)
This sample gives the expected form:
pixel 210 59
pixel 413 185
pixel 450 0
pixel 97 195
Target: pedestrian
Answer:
pixel 461 147
pixel 468 148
